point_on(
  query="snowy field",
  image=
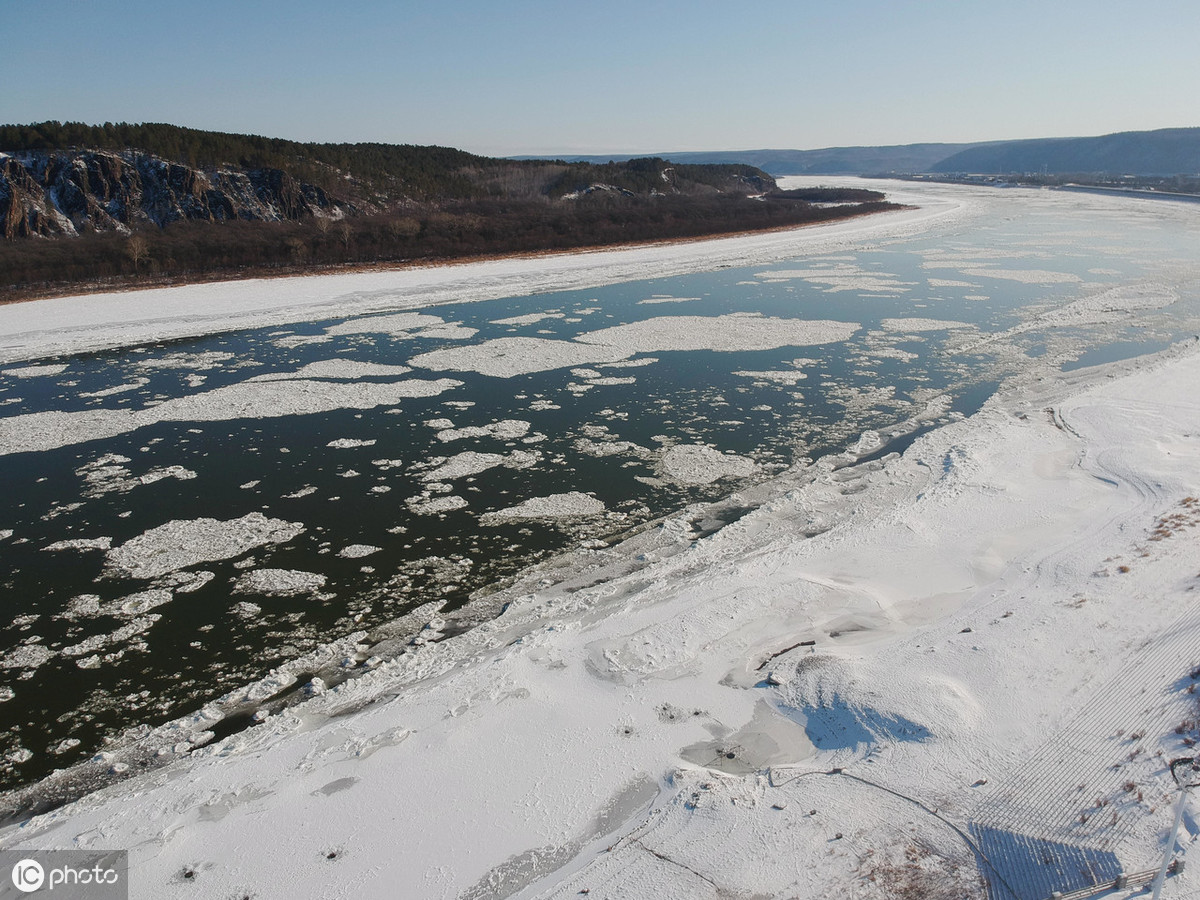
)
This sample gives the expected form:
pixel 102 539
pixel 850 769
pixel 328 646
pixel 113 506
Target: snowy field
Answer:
pixel 888 677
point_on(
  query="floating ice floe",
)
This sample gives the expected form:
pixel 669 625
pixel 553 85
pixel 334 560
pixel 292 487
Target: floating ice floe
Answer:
pixel 608 448
pixel 511 356
pixel 611 380
pixel 278 583
pixel 893 353
pixel 508 357
pixel 100 543
pixel 136 604
pixel 698 464
pixel 187 582
pixel 404 325
pixel 919 324
pixel 721 333
pixel 787 376
pixel 358 551
pixel 245 400
pixel 27 656
pixel 119 636
pixel 118 389
pixel 35 371
pixel 842 277
pixel 949 282
pixel 664 298
pixel 555 507
pixel 505 429
pixel 350 443
pixel 182 543
pixel 472 463
pixel 528 319
pixel 631 363
pixel 337 370
pixel 1025 276
pixel 426 505
pixel 291 341
pixel 395 324
pixel 210 359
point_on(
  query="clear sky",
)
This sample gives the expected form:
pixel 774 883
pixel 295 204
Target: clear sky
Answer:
pixel 505 77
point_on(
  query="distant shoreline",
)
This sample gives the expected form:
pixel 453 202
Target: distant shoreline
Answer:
pixel 141 283
pixel 107 317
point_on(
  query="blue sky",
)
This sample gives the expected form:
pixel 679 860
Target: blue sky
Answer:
pixel 534 76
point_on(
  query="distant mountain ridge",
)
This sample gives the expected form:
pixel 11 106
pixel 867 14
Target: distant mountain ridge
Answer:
pixel 907 158
pixel 1167 151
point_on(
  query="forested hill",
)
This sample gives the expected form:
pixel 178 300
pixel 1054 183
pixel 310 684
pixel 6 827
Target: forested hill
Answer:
pixel 62 178
pixel 159 202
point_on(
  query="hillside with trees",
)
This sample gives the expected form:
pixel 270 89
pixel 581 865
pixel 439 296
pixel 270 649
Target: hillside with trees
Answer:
pixel 100 207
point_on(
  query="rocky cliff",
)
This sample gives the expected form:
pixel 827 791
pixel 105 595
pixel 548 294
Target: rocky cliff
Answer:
pixel 48 193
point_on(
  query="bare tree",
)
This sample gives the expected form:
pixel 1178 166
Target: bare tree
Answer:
pixel 137 250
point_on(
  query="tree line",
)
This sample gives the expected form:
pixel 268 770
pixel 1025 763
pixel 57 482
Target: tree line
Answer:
pixel 188 250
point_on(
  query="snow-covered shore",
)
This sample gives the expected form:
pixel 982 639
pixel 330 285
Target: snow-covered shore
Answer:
pixel 1017 579
pixel 99 321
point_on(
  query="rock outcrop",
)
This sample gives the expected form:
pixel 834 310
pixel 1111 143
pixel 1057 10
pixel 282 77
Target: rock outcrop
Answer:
pixel 68 192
